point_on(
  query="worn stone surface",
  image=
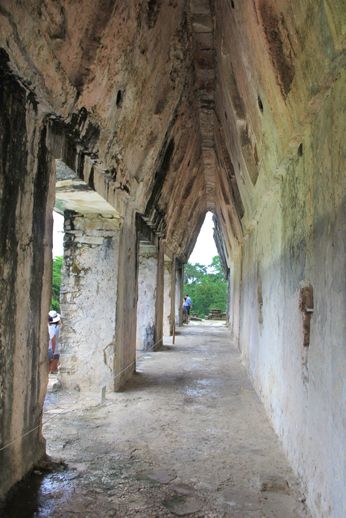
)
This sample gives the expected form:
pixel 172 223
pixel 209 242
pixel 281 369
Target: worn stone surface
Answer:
pixel 126 302
pixel 196 442
pixel 168 296
pixel 26 202
pixel 88 301
pixel 146 304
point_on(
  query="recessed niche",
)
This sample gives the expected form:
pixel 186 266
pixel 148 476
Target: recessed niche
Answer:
pixel 232 4
pixel 260 104
pixel 120 98
pixel 300 149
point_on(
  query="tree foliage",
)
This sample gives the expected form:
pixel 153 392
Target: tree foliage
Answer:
pixel 207 287
pixel 56 282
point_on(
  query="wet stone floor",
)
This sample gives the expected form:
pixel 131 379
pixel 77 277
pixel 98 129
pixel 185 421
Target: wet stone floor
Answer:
pixel 188 437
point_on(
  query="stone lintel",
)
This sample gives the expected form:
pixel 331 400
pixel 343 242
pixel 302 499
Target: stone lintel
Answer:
pixel 147 250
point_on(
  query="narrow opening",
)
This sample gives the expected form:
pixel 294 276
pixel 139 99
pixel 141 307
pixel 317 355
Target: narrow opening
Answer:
pixel 232 4
pixel 260 104
pixel 120 98
pixel 58 252
pixel 204 278
pixel 300 149
pixel 54 320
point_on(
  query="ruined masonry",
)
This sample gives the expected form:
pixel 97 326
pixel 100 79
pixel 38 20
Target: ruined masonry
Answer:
pixel 133 119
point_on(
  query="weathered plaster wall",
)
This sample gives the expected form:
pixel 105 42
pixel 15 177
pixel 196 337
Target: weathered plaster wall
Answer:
pixel 26 203
pixel 146 304
pixel 88 301
pixel 281 108
pixel 304 387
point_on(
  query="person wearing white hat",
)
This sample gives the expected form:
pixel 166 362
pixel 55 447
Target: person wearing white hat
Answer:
pixel 54 322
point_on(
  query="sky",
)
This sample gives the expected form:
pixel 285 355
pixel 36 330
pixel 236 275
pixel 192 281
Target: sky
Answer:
pixel 205 248
pixel 203 252
pixel 58 234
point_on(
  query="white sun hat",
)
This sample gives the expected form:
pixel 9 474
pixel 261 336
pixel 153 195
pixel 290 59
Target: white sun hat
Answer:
pixel 54 317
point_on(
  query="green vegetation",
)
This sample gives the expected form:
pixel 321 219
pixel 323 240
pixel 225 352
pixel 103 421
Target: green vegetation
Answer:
pixel 56 282
pixel 207 287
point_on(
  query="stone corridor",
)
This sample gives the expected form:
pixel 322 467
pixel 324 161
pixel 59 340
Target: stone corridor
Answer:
pixel 196 442
pixel 133 119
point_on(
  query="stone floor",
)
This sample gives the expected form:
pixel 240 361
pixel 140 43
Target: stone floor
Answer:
pixel 188 437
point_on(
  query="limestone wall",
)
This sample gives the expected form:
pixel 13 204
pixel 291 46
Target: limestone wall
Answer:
pixel 281 106
pixel 26 203
pixel 303 387
pixel 146 305
pixel 88 301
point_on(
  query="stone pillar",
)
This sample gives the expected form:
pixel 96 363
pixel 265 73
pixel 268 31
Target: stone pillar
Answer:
pixel 26 205
pixel 147 291
pixel 126 314
pixel 179 285
pixel 159 298
pixel 88 301
pixel 167 297
pixel 235 287
pixel 173 294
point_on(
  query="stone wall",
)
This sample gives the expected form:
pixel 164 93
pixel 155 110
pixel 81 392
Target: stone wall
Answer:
pixel 281 107
pixel 302 386
pixel 26 203
pixel 88 301
pixel 146 305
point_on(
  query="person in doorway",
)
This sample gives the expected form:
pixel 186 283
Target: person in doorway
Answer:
pixel 187 305
pixel 184 311
pixel 54 323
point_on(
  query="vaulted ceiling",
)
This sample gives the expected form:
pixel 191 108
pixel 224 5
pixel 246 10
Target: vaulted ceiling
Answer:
pixel 174 106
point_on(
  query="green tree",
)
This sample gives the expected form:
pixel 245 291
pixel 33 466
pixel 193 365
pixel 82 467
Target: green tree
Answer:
pixel 194 273
pixel 56 282
pixel 207 287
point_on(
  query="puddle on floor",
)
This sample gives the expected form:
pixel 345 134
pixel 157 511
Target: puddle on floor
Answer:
pixel 194 392
pixel 37 495
pixel 202 387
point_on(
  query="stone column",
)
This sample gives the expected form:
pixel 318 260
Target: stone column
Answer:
pixel 126 314
pixel 167 297
pixel 159 298
pixel 235 287
pixel 173 294
pixel 88 301
pixel 147 291
pixel 26 204
pixel 179 285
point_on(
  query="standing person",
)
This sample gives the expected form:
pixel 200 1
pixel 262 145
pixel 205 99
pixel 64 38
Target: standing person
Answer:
pixel 184 311
pixel 54 323
pixel 187 307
